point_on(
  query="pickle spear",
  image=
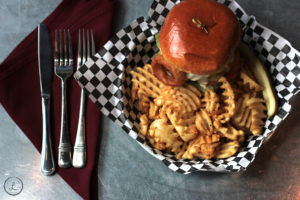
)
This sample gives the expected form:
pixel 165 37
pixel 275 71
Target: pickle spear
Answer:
pixel 262 77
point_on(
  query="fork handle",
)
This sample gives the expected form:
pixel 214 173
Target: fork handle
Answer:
pixel 47 165
pixel 79 154
pixel 64 148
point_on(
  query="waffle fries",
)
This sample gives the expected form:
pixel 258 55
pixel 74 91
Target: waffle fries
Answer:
pixel 191 124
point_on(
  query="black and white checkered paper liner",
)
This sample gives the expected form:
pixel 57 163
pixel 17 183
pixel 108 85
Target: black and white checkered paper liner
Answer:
pixel 106 80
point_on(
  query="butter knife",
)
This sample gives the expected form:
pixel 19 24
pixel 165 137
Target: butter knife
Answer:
pixel 47 165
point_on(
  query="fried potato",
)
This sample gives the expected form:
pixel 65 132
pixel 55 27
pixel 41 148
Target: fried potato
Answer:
pixel 203 122
pixel 241 112
pixel 189 93
pixel 153 111
pixel 163 136
pixel 193 89
pixel 250 114
pixel 183 121
pixel 181 151
pixel 144 122
pixel 230 132
pixel 202 147
pixel 228 101
pixel 144 102
pixel 250 82
pixel 262 77
pixel 227 149
pixel 257 115
pixel 178 98
pixel 211 102
pixel 180 104
pixel 144 80
pixel 184 125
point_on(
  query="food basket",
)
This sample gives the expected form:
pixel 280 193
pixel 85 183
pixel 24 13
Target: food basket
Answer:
pixel 107 82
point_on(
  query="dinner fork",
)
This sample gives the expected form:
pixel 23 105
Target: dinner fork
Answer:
pixel 64 68
pixel 84 52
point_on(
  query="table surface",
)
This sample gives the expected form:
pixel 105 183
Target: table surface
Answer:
pixel 125 170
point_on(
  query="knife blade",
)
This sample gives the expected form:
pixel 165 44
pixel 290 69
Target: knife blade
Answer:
pixel 47 165
pixel 45 60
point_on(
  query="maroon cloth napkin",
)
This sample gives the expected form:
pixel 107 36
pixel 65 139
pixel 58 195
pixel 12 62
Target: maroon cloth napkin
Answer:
pixel 20 86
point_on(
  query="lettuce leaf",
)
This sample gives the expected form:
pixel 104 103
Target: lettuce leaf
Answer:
pixel 157 42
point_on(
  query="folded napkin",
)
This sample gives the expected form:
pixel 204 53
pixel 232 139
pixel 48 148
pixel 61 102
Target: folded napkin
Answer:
pixel 20 87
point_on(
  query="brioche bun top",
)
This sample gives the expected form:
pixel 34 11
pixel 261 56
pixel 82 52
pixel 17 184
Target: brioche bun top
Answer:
pixel 187 46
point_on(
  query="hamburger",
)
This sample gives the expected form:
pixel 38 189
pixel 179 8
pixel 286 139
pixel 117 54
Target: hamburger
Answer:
pixel 198 42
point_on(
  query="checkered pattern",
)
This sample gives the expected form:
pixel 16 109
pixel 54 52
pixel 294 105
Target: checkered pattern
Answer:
pixel 106 79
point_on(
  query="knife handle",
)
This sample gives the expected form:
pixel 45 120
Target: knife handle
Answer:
pixel 64 148
pixel 47 165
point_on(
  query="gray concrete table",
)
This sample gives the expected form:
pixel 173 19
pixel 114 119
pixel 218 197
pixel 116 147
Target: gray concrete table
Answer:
pixel 125 170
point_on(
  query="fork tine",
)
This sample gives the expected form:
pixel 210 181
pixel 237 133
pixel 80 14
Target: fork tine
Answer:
pixel 93 43
pixel 79 54
pixel 71 60
pixel 88 44
pixel 65 49
pixel 61 61
pixel 56 58
pixel 83 48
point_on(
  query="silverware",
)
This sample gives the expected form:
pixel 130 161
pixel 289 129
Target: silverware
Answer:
pixel 64 67
pixel 47 165
pixel 79 154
